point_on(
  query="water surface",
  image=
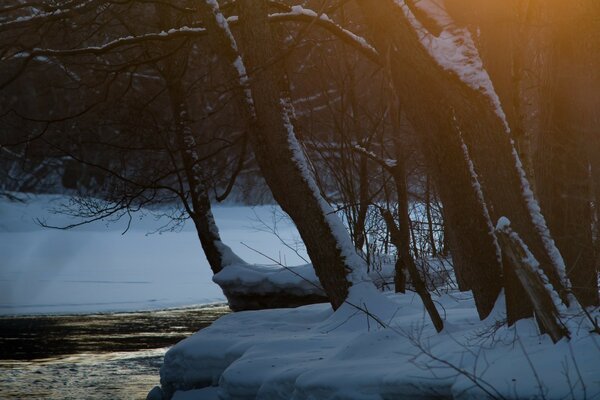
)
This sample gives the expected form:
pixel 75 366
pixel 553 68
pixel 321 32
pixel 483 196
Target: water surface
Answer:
pixel 99 356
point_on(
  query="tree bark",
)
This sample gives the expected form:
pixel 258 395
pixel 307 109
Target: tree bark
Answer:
pixel 418 81
pixel 278 154
pixel 196 200
pixel 518 258
pixel 217 253
pixel 562 166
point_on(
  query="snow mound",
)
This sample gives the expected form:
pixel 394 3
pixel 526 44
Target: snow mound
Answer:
pixel 254 278
pixel 312 352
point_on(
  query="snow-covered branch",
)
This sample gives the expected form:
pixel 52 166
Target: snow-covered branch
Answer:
pixel 387 164
pixel 222 24
pixel 301 14
pixel 175 33
pixel 62 11
pixel 296 14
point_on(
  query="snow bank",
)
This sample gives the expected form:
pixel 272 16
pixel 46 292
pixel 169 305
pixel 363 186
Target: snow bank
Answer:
pixel 255 286
pixel 295 280
pixel 313 353
pixel 254 278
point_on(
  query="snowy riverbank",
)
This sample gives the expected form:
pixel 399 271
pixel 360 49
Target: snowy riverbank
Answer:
pixel 94 268
pixel 312 353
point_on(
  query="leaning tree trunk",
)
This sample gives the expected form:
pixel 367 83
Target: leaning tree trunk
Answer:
pixel 193 186
pixel 469 237
pixel 217 253
pixel 420 80
pixel 276 148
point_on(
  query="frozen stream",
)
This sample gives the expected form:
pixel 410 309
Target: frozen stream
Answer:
pixel 98 356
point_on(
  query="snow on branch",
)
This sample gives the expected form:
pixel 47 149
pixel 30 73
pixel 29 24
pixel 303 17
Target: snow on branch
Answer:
pixel 301 14
pixel 238 63
pixel 386 163
pixel 296 14
pixel 534 280
pixel 62 11
pixel 452 48
pixel 117 43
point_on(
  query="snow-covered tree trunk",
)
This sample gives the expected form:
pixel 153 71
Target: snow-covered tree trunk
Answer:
pixel 193 179
pixel 217 253
pixel 418 80
pixel 277 151
pixel 425 72
pixel 543 297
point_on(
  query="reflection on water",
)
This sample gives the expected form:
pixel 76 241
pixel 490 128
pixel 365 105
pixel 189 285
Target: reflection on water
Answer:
pixel 104 356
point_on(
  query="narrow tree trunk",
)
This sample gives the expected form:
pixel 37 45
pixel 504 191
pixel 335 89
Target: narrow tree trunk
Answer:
pixel 526 268
pixel 402 241
pixel 217 253
pixel 196 200
pixel 415 276
pixel 429 217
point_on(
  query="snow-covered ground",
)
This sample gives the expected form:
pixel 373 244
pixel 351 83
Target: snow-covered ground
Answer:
pixel 94 268
pixel 313 353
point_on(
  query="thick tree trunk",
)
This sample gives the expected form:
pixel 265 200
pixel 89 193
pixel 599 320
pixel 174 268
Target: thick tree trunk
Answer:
pixel 419 81
pixel 278 153
pixel 562 167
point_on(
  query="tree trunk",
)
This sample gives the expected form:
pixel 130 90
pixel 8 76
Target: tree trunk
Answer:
pixel 217 253
pixel 428 200
pixel 415 276
pixel 196 200
pixel 278 152
pixel 519 260
pixel 418 81
pixel 562 167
